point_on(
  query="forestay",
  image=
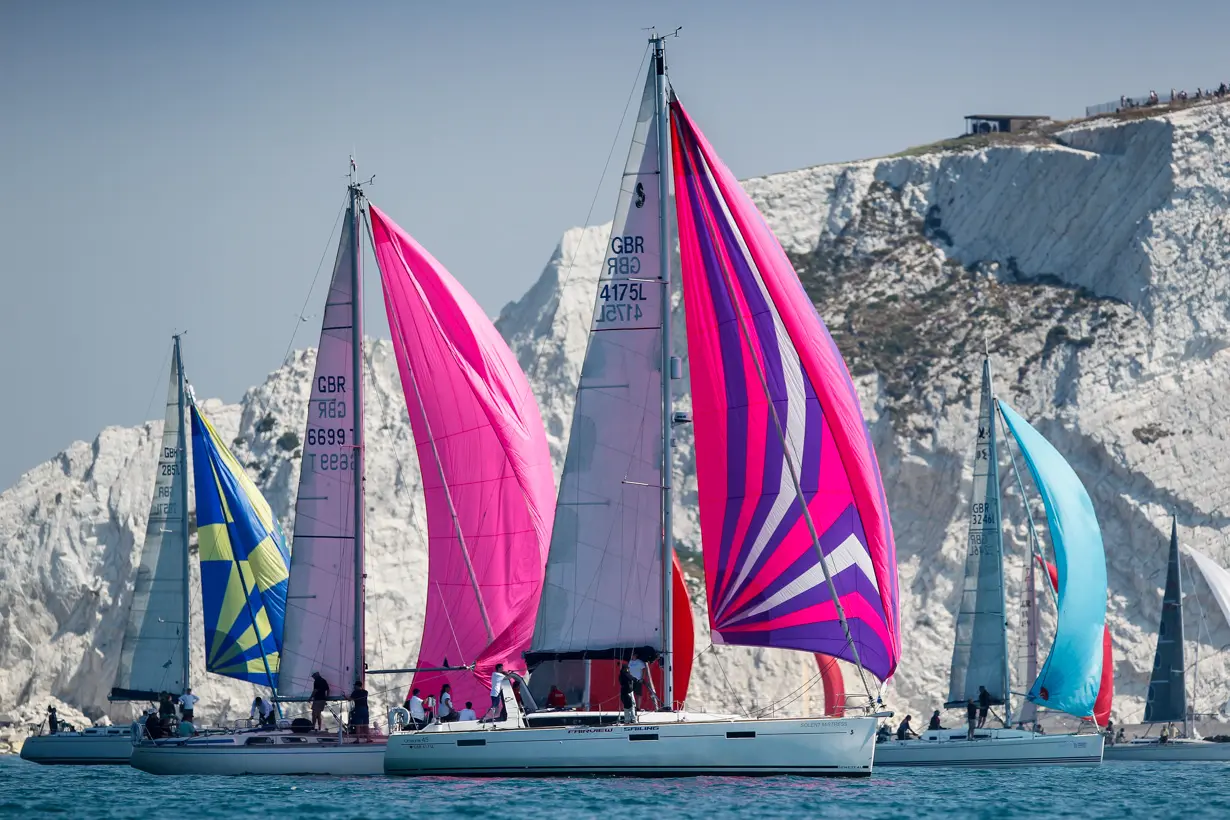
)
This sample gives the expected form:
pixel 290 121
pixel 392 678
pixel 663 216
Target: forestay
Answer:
pixel 487 474
pixel 1071 675
pixel 320 609
pixel 603 591
pixel 771 393
pixel 152 655
pixel 1166 701
pixel 244 563
pixel 979 654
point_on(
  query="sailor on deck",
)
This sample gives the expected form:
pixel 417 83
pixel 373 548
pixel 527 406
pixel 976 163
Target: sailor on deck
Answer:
pixel 497 696
pixel 263 710
pixel 320 694
pixel 187 705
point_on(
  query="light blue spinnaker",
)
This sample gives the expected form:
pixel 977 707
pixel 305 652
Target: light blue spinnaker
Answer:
pixel 1072 674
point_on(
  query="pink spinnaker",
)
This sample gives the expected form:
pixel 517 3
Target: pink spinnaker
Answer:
pixel 487 473
pixel 771 393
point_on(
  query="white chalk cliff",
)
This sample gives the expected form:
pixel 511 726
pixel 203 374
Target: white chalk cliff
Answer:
pixel 1092 261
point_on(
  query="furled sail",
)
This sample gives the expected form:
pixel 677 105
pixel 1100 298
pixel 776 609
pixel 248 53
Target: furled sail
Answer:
pixel 320 607
pixel 1166 701
pixel 979 654
pixel 152 656
pixel 1072 673
pixel 487 473
pixel 771 394
pixel 1106 691
pixel 603 591
pixel 1216 577
pixel 244 563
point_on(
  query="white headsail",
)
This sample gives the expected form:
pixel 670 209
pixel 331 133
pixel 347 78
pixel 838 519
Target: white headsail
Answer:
pixel 154 656
pixel 1216 576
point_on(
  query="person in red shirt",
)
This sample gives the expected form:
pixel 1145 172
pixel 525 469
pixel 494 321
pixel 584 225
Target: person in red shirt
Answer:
pixel 555 698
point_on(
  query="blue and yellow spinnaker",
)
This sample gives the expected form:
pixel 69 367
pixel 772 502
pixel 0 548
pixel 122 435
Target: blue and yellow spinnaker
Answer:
pixel 245 563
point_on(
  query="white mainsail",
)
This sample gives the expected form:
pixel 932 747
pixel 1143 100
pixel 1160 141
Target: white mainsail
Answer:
pixel 603 589
pixel 153 655
pixel 1216 576
pixel 320 608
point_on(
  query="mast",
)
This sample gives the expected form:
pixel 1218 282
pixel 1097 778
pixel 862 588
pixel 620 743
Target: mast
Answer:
pixel 181 462
pixel 993 474
pixel 358 463
pixel 1029 710
pixel 670 365
pixel 1182 639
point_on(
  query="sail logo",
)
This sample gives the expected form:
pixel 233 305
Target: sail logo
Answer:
pixel 640 194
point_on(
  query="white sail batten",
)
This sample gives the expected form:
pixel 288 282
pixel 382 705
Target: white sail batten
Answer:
pixel 320 609
pixel 152 653
pixel 603 589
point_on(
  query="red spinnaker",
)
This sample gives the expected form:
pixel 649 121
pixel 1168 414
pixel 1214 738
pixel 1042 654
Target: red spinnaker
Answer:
pixel 834 685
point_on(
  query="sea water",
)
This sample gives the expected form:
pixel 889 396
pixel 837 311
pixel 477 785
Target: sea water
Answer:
pixel 1113 790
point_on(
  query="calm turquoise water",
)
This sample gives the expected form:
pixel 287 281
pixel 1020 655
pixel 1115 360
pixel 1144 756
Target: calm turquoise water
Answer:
pixel 1116 790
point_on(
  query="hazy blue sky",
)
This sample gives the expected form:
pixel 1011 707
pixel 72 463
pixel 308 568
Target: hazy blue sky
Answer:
pixel 180 165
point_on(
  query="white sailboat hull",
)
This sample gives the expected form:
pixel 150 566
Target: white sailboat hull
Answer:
pixel 822 746
pixel 232 755
pixel 992 748
pixel 104 748
pixel 1173 750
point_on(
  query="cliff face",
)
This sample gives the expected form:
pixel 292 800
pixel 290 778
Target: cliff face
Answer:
pixel 1092 264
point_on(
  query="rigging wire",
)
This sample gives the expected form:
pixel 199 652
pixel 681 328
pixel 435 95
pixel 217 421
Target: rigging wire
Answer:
pixel 300 318
pixel 606 167
pixel 162 368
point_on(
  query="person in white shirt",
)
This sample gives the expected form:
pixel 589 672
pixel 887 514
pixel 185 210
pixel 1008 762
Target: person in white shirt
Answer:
pixel 638 669
pixel 417 713
pixel 497 682
pixel 187 703
pixel 446 713
pixel 264 709
pixel 468 713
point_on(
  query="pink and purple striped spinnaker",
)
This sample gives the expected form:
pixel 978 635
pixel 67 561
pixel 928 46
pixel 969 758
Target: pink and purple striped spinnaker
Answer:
pixel 757 345
pixel 482 452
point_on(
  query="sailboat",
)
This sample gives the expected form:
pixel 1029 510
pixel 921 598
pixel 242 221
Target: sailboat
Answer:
pixel 489 488
pixel 1070 677
pixel 798 547
pixel 155 649
pixel 1166 701
pixel 245 564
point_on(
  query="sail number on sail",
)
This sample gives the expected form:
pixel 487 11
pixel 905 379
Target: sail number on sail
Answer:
pixel 322 436
pixel 620 301
pixel 982 514
pixel 164 492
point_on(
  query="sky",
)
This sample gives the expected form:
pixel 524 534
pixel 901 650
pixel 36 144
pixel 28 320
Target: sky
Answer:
pixel 180 166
